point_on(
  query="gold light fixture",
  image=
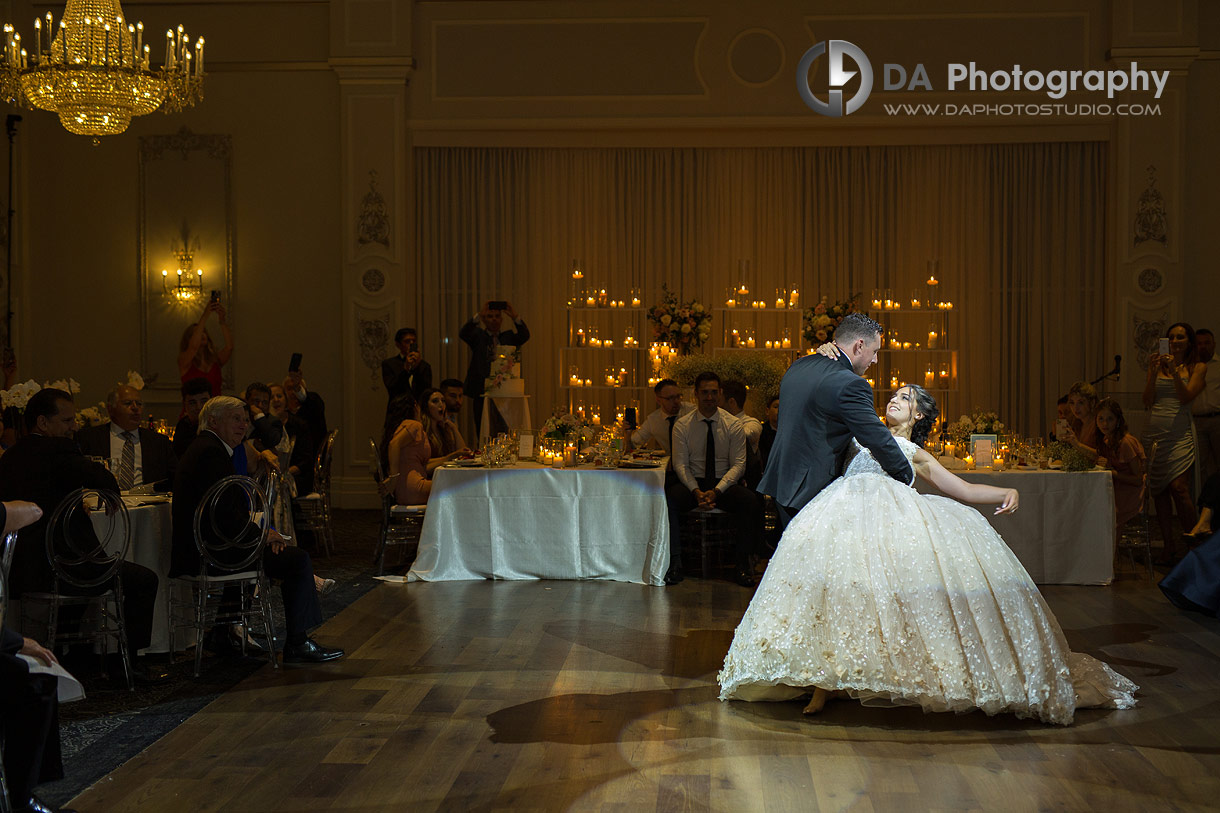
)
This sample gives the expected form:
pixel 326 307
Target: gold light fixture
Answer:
pixel 94 70
pixel 186 287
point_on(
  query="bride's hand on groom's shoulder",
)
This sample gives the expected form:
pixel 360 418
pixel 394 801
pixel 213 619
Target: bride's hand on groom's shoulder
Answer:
pixel 1009 505
pixel 829 350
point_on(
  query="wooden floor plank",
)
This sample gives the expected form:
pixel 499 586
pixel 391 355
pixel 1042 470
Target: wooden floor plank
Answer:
pixel 602 696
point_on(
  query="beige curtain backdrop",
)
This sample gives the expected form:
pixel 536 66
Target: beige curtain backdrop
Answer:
pixel 1019 231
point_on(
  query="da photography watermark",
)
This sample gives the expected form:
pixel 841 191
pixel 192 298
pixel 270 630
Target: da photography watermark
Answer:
pixel 970 78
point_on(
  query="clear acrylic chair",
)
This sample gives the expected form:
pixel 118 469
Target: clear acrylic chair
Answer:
pixel 401 525
pixel 88 566
pixel 313 509
pixel 230 554
pixel 1136 533
pixel 6 559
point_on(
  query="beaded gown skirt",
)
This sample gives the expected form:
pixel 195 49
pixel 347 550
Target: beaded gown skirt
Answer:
pixel 900 598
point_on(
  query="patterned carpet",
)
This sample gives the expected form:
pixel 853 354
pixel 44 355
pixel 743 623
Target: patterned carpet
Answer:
pixel 112 724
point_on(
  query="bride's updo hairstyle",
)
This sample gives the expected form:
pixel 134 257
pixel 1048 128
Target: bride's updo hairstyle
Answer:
pixel 925 403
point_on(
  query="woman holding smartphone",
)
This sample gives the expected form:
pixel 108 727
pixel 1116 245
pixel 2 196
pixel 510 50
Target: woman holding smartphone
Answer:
pixel 1175 378
pixel 197 356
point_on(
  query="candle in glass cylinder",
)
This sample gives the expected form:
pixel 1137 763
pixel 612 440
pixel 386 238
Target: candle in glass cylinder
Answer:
pixel 929 377
pixel 933 336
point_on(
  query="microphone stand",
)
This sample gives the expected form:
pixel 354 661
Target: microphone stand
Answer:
pixel 1118 363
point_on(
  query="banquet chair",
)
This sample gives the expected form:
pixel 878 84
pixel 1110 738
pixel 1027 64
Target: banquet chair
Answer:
pixel 400 524
pixel 89 566
pixel 224 561
pixel 313 509
pixel 714 529
pixel 1136 533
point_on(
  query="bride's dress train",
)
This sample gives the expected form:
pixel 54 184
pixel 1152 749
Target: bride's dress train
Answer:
pixel 900 598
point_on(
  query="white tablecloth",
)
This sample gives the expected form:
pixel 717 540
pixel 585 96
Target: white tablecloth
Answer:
pixel 514 409
pixel 533 522
pixel 1063 531
pixel 152 535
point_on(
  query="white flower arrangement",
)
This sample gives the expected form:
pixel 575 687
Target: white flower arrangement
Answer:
pixel 18 395
pixel 135 380
pixel 70 385
pixel 93 415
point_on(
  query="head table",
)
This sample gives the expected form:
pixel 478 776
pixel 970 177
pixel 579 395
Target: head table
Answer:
pixel 529 521
pixel 1063 530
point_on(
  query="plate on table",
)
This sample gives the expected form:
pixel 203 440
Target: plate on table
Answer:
pixel 639 464
pixel 467 464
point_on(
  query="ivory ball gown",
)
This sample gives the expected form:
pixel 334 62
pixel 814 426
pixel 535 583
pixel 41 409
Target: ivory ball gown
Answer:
pixel 901 598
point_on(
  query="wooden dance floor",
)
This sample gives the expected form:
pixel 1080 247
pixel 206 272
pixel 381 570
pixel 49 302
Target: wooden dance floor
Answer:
pixel 602 696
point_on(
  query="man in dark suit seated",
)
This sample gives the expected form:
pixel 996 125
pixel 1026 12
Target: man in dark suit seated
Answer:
pixel 29 705
pixel 137 455
pixel 195 393
pixel 484 335
pixel 224 423
pixel 44 467
pixel 407 372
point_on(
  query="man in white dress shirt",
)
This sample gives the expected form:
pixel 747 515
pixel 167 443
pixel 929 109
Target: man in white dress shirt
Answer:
pixel 733 396
pixel 1206 406
pixel 136 456
pixel 709 456
pixel 658 427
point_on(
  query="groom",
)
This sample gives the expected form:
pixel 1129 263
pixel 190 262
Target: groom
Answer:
pixel 823 404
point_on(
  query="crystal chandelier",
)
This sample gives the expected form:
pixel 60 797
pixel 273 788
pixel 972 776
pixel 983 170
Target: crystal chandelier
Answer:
pixel 94 70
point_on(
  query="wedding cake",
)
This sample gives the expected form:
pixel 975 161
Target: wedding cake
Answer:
pixel 504 379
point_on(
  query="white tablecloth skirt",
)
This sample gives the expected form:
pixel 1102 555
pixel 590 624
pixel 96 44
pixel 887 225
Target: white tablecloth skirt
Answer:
pixel 1063 531
pixel 532 522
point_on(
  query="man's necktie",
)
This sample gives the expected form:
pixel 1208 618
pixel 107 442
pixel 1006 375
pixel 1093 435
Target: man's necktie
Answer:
pixel 709 454
pixel 127 463
pixel 671 420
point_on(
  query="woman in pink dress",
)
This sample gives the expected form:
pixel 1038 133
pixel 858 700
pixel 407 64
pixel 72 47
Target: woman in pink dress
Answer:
pixel 1124 456
pixel 405 451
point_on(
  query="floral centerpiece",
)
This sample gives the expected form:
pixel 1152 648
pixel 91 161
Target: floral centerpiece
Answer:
pixel 1073 459
pixel 18 395
pixel 569 427
pixel 684 325
pixel 976 423
pixel 503 368
pixel 819 322
pixel 760 372
pixel 92 415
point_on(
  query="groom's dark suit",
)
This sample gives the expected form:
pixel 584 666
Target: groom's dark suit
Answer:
pixel 823 404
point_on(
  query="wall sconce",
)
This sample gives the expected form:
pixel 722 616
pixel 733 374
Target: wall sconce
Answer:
pixel 185 287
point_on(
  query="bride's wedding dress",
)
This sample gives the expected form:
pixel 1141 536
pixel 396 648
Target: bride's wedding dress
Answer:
pixel 900 598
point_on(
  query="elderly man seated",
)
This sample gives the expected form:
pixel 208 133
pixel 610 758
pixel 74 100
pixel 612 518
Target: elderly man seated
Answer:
pixel 223 425
pixel 137 455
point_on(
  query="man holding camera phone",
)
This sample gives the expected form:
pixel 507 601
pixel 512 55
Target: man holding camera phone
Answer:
pixel 484 333
pixel 406 372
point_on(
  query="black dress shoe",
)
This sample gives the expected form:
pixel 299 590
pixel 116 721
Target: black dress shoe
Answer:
pixel 673 576
pixel 310 652
pixel 36 805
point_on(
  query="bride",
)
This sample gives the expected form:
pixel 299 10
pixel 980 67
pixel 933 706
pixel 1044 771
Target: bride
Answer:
pixel 892 597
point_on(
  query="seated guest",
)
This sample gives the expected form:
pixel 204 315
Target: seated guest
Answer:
pixel 767 439
pixel 709 460
pixel 734 402
pixel 1063 412
pixel 1124 456
pixel 657 429
pixel 296 448
pixel 137 455
pixel 405 452
pixel 44 467
pixel 195 393
pixel 223 425
pixel 29 705
pixel 1080 429
pixel 454 392
pixel 308 406
pixel 266 429
pixel 443 435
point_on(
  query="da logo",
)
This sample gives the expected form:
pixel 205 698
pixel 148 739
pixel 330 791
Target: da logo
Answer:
pixel 835 50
